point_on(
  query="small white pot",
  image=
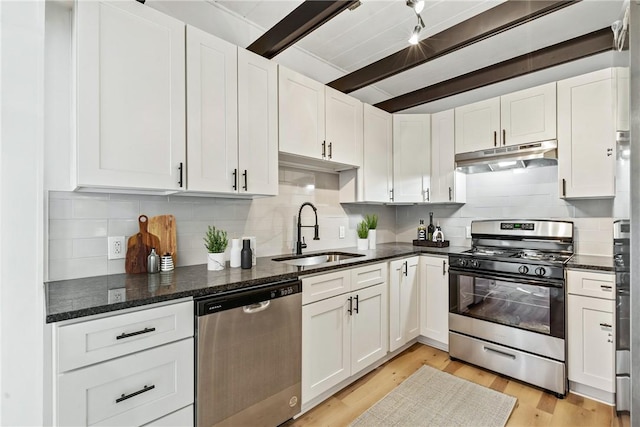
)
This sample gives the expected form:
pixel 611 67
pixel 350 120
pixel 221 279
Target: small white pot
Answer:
pixel 363 244
pixel 372 239
pixel 215 262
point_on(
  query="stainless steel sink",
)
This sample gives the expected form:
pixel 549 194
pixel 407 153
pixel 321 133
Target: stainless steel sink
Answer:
pixel 317 258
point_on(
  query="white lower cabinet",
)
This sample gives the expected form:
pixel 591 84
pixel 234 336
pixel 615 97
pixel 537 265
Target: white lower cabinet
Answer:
pixel 404 323
pixel 434 300
pixel 128 369
pixel 344 334
pixel 591 334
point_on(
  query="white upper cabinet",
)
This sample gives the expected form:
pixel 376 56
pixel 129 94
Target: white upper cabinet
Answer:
pixel 528 115
pixel 130 97
pixel 411 157
pixel 318 122
pixel 232 123
pixel 520 117
pixel 447 185
pixel 589 109
pixel 378 152
pixel 343 127
pixel 477 126
pixel 301 102
pixel 212 113
pixel 257 124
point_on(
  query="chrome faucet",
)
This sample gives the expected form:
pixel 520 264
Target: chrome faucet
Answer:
pixel 300 243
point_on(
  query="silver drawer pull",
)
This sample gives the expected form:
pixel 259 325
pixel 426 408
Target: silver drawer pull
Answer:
pixel 256 308
pixel 605 287
pixel 501 353
pixel 133 334
pixel 135 393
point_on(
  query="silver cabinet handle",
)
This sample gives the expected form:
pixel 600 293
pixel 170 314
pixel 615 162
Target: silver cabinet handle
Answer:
pixel 406 268
pixel 324 149
pixel 391 194
pixel 235 179
pixel 606 288
pixel 427 193
pixel 256 308
pixel 504 137
pixel 330 150
pixel 444 267
pixel 350 309
pixel 357 304
pixel 245 187
pixel 564 187
pixel 450 194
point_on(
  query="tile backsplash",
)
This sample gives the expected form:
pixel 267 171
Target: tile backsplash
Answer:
pixel 79 223
pixel 523 194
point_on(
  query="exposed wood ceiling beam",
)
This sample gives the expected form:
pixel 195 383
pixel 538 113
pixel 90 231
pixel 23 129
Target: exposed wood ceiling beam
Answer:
pixel 570 50
pixel 486 24
pixel 304 19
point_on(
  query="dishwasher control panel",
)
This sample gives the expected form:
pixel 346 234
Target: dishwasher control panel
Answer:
pixel 248 297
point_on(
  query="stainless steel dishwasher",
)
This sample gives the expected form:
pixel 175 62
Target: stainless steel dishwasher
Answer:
pixel 248 356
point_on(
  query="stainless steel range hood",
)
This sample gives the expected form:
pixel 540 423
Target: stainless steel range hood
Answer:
pixel 536 154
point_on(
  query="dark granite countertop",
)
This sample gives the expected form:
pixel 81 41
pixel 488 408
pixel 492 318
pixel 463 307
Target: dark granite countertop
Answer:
pixel 69 299
pixel 591 262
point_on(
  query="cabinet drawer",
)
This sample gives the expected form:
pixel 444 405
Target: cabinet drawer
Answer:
pixel 369 275
pixel 85 343
pixel 590 284
pixel 324 286
pixel 131 390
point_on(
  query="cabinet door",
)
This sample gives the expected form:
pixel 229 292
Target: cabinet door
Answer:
pixel 369 326
pixel 447 185
pixel 212 113
pixel 586 136
pixel 478 126
pixel 590 336
pixel 301 114
pixel 377 154
pixel 434 299
pixel 404 322
pixel 411 157
pixel 326 349
pixel 130 96
pixel 257 124
pixel 344 116
pixel 528 115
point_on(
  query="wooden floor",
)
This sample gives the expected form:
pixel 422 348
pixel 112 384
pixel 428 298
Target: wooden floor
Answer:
pixel 533 408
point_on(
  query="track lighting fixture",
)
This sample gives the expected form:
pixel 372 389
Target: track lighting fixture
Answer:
pixel 417 6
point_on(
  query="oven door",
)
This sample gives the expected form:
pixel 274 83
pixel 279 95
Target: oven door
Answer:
pixel 529 304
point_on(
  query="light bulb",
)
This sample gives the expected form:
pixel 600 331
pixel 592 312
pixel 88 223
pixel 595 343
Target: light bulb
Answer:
pixel 414 35
pixel 418 6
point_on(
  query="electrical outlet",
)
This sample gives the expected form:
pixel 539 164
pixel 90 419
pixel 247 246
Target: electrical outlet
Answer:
pixel 116 295
pixel 341 231
pixel 117 250
pixel 468 231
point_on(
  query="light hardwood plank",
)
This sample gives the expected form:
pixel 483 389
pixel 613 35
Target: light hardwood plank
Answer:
pixel 534 407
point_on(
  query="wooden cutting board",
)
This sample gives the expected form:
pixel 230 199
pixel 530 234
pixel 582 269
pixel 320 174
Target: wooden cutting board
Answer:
pixel 148 237
pixel 164 226
pixel 136 260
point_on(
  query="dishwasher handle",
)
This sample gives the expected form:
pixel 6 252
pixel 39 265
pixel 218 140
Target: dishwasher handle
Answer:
pixel 256 308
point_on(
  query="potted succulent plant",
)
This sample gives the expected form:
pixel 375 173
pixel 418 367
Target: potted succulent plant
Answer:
pixel 363 231
pixel 215 241
pixel 372 222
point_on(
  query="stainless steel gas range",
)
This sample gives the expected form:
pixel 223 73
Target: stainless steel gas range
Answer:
pixel 507 300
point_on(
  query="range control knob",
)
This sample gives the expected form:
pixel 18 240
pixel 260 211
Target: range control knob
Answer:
pixel 475 263
pixel 462 262
pixel 540 271
pixel 523 269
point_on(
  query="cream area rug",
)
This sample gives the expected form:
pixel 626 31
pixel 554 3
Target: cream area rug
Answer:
pixel 430 397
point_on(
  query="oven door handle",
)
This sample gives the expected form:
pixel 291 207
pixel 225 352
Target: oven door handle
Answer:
pixel 497 276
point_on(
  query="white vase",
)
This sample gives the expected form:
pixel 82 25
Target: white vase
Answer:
pixel 234 260
pixel 363 244
pixel 215 262
pixel 372 239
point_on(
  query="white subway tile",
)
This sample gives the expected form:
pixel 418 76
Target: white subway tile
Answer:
pixel 88 209
pixel 77 228
pixel 123 209
pixel 60 209
pixel 60 249
pixel 83 248
pixel 77 267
